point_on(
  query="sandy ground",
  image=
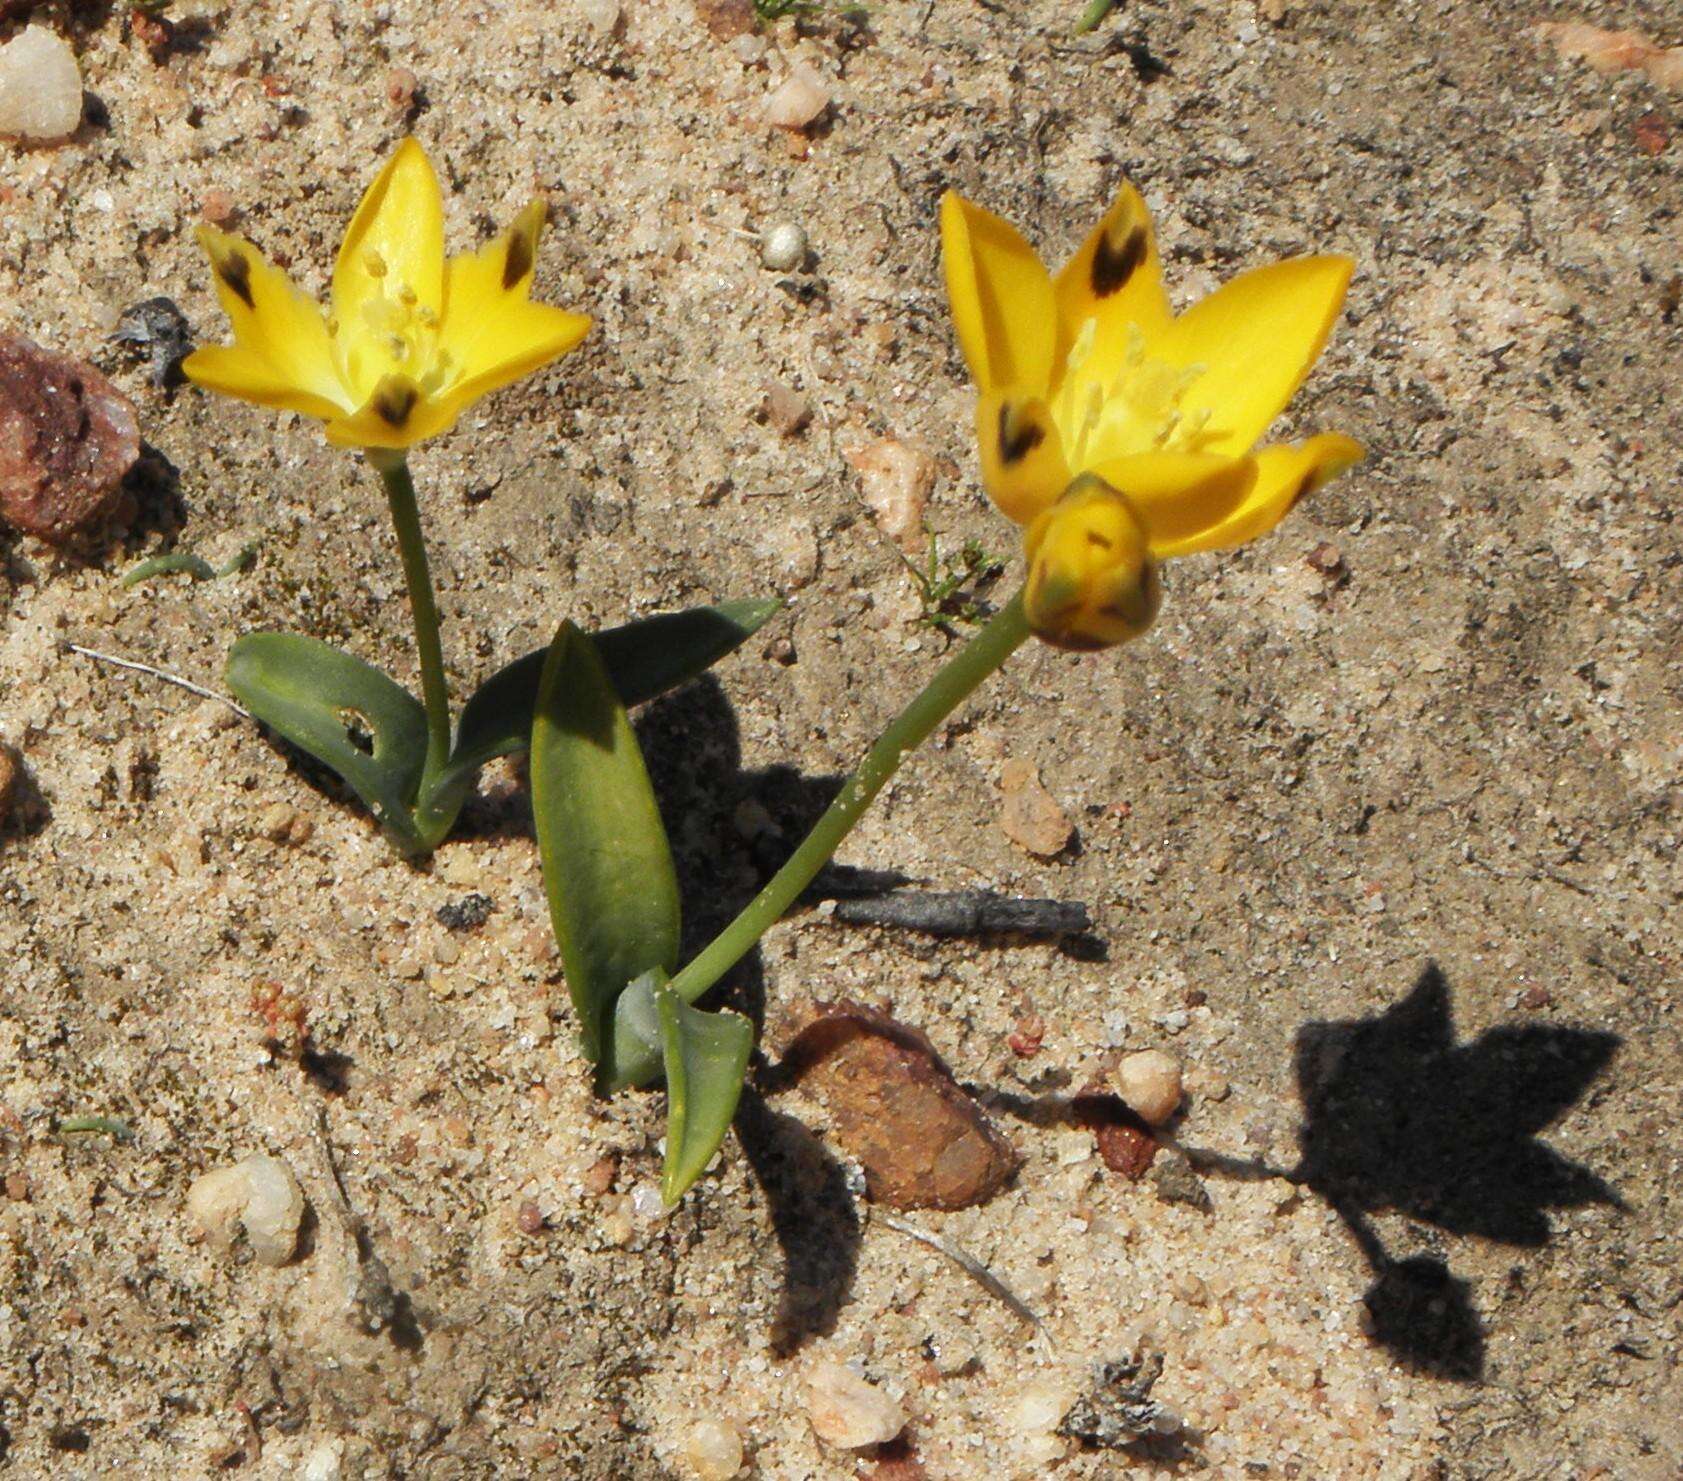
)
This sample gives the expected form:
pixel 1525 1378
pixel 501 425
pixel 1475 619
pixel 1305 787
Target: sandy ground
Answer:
pixel 1379 853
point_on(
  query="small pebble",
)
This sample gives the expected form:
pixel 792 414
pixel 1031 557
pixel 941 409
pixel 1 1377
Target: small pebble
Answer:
pixel 848 1412
pixel 1040 1407
pixel 40 87
pixel 1029 815
pixel 783 247
pixel 895 481
pixel 602 16
pixel 727 19
pixel 259 1193
pixel 714 1449
pixel 785 408
pixel 798 100
pixel 750 49
pixel 1150 1085
pixel 401 87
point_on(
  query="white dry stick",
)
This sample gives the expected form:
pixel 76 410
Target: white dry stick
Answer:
pixel 157 673
pixel 967 1263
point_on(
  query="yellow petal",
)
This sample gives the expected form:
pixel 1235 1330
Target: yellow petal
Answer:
pixel 1256 338
pixel 394 242
pixel 1284 474
pixel 247 375
pixel 528 336
pixel 1001 297
pixel 1115 279
pixel 1022 455
pixel 398 414
pixel 1180 496
pixel 492 333
pixel 276 328
pixel 1091 580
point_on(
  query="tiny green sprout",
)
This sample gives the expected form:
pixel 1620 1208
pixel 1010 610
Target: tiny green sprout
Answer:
pixel 775 10
pixel 1095 11
pixel 196 566
pixel 948 586
pixel 103 1125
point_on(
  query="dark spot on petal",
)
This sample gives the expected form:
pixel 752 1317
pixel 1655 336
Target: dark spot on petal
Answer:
pixel 1095 538
pixel 394 403
pixel 1113 265
pixel 1018 437
pixel 518 262
pixel 234 268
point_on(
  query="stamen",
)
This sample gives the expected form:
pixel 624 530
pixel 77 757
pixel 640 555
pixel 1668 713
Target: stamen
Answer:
pixel 374 263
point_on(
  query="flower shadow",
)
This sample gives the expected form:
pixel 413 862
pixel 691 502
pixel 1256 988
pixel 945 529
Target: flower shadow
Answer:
pixel 1400 1119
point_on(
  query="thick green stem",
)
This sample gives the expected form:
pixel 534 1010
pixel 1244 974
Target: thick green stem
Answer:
pixel 435 691
pixel 996 642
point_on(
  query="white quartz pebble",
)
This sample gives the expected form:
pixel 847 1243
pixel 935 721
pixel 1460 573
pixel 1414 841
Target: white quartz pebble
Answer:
pixel 40 87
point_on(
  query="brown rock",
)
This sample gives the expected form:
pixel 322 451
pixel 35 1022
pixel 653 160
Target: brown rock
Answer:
pixel 922 1141
pixel 67 439
pixel 1652 133
pixel 1031 817
pixel 8 780
pixel 1125 1142
pixel 726 19
pixel 785 408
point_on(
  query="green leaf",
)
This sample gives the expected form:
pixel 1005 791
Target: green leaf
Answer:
pixel 635 1052
pixel 613 894
pixel 706 1056
pixel 643 659
pixel 344 712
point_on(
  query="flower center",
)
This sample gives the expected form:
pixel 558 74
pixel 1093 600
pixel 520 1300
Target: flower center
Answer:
pixel 1134 410
pixel 397 335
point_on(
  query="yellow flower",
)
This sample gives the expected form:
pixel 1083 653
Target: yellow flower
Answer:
pixel 411 339
pixel 1090 384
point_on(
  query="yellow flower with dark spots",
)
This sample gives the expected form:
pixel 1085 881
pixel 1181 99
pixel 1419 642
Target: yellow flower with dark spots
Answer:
pixel 1090 383
pixel 411 339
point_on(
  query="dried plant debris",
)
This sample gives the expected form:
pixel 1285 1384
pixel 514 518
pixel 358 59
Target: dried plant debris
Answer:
pixel 157 327
pixel 1176 1182
pixel 68 438
pixel 897 1110
pixel 1118 1411
pixel 964 913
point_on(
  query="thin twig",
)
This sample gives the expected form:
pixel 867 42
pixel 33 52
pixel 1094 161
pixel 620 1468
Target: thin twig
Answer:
pixel 968 1263
pixel 157 673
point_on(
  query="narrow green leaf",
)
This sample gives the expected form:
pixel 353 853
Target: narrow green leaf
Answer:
pixel 613 894
pixel 706 1056
pixel 344 712
pixel 643 659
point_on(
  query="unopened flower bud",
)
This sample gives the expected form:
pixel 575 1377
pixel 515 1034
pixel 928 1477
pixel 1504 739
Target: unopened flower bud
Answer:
pixel 1091 580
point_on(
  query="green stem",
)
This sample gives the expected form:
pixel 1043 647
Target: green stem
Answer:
pixel 435 690
pixel 984 653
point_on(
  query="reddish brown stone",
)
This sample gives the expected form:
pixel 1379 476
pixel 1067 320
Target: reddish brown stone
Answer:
pixel 1125 1142
pixel 922 1141
pixel 8 780
pixel 726 19
pixel 67 439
